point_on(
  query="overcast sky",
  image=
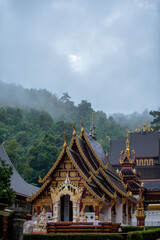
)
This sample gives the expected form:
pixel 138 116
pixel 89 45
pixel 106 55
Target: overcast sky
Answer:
pixel 104 51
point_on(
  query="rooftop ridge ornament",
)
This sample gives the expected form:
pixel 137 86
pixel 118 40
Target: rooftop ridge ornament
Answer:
pixel 139 128
pixel 82 129
pixel 92 133
pixel 65 142
pixel 149 127
pixel 74 130
pixel 144 127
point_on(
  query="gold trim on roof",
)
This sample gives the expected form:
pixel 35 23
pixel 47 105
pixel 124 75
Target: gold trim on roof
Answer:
pixel 110 182
pixel 75 164
pixel 30 199
pixel 93 152
pixel 81 153
pixel 91 191
pixel 102 187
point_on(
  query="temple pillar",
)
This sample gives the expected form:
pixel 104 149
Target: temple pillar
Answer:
pixel 109 214
pixel 55 211
pixel 75 211
pixel 119 211
pixel 97 211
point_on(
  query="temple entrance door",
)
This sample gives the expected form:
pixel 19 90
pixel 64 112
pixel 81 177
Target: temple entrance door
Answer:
pixel 66 213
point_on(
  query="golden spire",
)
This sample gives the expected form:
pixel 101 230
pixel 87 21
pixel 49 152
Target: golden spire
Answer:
pixel 65 143
pixel 149 127
pixel 92 116
pixel 74 130
pixel 127 143
pixel 139 128
pixel 82 129
pixel 144 126
pixel 101 141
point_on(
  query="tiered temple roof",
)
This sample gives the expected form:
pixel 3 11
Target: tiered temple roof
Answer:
pixel 90 160
pixel 147 153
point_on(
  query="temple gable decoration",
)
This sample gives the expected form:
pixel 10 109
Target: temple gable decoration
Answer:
pixel 66 188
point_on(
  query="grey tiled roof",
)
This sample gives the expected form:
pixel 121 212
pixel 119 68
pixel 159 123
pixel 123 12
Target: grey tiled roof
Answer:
pixel 145 145
pixel 18 184
pixel 152 185
pixel 98 149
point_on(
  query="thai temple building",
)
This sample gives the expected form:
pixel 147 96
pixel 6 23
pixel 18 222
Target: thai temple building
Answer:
pixel 86 185
pixel 146 169
pixel 82 186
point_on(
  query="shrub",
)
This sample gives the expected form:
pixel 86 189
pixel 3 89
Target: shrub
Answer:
pixel 73 237
pixel 144 235
pixel 126 229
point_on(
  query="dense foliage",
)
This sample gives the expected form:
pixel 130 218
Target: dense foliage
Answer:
pixel 144 235
pixel 33 140
pixel 156 121
pixel 6 193
pixel 73 236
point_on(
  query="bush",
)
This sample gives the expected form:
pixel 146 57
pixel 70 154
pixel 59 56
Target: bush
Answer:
pixel 72 237
pixel 126 229
pixel 144 235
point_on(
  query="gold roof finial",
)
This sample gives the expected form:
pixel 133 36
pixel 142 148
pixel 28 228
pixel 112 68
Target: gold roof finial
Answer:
pixel 65 142
pixel 142 184
pixel 149 127
pixel 74 130
pixel 92 116
pixel 82 129
pixel 101 141
pixel 127 143
pixel 144 126
pixel 139 128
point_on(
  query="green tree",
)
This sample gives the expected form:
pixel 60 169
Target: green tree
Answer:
pixel 6 193
pixel 156 122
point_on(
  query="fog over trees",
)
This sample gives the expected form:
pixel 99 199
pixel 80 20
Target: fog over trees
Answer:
pixel 33 122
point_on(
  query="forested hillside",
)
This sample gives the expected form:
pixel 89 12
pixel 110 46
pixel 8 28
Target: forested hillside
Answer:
pixel 34 137
pixel 33 140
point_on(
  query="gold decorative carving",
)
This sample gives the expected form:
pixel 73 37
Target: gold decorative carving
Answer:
pixel 63 174
pixel 66 188
pixel 68 165
pixel 73 174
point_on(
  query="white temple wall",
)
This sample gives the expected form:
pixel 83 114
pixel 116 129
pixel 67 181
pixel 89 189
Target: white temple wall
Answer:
pixel 152 218
pixel 119 212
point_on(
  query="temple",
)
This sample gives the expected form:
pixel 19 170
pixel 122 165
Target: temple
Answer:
pixel 146 170
pixel 85 185
pixel 82 186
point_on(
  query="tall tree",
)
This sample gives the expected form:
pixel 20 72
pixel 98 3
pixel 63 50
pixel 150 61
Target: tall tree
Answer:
pixel 6 193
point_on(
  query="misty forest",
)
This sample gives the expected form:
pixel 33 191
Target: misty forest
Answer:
pixel 33 122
